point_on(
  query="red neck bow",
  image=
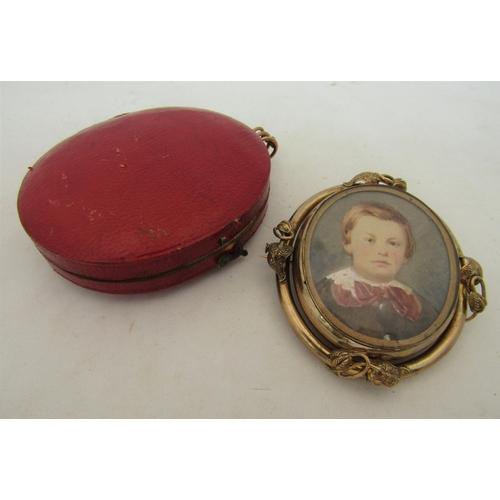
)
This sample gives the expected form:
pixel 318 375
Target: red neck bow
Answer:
pixel 365 295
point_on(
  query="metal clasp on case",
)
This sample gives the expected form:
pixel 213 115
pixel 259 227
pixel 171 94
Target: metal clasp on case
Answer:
pixel 227 257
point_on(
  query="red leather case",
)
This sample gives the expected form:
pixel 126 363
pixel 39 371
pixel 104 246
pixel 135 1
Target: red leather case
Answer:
pixel 147 200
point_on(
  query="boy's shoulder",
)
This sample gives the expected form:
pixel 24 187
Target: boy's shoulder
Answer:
pixel 345 276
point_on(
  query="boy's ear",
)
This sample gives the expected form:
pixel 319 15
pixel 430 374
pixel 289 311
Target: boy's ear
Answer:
pixel 347 248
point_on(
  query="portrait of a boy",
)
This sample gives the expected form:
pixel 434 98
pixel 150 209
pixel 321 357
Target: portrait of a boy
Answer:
pixel 367 296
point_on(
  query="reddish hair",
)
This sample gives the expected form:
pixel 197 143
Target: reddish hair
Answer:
pixel 378 211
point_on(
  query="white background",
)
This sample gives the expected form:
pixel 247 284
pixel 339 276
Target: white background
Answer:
pixel 219 346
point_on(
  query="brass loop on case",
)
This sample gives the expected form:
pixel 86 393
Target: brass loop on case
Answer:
pixel 272 143
pixel 268 139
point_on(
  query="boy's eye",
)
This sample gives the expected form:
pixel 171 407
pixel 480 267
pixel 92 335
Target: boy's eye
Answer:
pixel 394 243
pixel 369 240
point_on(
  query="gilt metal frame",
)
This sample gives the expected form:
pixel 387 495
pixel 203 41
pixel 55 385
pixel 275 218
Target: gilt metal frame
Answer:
pixel 380 363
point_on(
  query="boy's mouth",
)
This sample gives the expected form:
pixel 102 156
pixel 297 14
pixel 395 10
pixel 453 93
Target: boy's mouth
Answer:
pixel 383 263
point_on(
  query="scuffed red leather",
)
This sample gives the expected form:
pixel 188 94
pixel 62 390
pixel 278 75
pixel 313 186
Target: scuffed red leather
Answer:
pixel 144 193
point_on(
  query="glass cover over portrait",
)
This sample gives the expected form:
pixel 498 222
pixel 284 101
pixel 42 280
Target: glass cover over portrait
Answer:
pixel 381 264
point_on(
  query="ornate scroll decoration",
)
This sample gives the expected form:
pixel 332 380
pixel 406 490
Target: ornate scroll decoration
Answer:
pixel 269 140
pixel 278 253
pixel 374 178
pixel 350 365
pixel 471 275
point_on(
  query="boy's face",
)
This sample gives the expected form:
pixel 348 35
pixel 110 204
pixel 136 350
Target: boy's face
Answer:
pixel 378 248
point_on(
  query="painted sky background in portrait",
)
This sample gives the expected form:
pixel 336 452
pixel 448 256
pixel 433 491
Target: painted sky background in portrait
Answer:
pixel 427 272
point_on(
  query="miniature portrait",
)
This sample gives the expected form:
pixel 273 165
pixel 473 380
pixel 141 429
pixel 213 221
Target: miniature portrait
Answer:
pixel 380 265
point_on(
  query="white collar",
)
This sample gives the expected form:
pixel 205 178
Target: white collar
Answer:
pixel 347 277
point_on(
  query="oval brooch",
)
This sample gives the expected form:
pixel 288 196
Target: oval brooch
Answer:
pixel 372 280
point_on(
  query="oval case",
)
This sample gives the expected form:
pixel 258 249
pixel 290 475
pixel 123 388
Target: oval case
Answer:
pixel 147 200
pixel 372 280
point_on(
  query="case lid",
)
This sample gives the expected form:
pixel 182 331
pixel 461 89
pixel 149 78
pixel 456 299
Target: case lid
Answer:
pixel 144 192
